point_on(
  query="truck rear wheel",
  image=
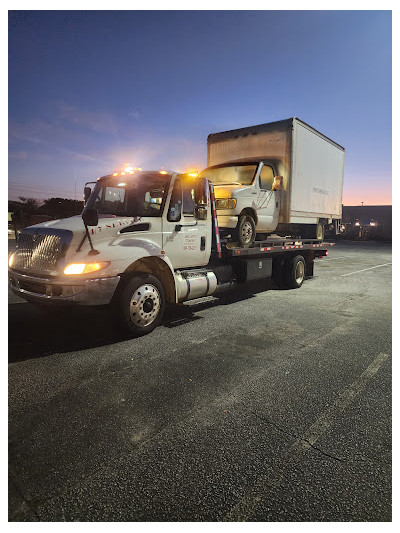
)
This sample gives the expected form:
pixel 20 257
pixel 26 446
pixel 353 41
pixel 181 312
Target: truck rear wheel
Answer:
pixel 141 304
pixel 246 231
pixel 295 272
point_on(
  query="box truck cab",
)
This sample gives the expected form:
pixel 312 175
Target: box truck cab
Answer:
pixel 247 198
pixel 282 177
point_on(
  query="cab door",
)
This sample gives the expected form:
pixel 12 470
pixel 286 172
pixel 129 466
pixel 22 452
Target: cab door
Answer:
pixel 267 203
pixel 185 239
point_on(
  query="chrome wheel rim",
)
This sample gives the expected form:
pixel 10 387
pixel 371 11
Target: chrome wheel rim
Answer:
pixel 145 305
pixel 246 232
pixel 299 272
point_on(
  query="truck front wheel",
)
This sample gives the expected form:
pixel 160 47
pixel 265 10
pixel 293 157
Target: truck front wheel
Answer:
pixel 246 231
pixel 141 304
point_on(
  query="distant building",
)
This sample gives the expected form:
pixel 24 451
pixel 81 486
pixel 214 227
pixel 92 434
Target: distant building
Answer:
pixel 367 222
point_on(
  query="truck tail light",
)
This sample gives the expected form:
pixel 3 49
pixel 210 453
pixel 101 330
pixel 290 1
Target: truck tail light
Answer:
pixel 321 253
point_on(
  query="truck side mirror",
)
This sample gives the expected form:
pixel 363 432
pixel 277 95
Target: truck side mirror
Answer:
pixel 278 183
pixel 87 191
pixel 201 192
pixel 90 217
pixel 200 212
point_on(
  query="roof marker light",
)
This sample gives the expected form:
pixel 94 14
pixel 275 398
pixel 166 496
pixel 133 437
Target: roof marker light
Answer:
pixel 163 172
pixel 115 174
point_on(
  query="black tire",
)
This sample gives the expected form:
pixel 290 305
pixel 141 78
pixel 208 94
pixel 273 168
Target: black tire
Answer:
pixel 245 231
pixel 295 272
pixel 141 304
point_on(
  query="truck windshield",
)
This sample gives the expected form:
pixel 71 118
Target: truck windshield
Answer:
pixel 140 195
pixel 224 175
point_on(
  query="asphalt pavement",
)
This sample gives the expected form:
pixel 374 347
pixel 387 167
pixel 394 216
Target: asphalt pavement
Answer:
pixel 260 405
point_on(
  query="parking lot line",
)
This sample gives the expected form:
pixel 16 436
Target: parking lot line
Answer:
pixel 364 269
pixel 245 508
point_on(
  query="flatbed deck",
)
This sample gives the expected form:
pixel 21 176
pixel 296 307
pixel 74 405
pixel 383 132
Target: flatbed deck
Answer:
pixel 274 245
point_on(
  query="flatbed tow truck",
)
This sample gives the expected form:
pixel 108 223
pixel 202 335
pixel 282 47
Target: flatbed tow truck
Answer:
pixel 147 238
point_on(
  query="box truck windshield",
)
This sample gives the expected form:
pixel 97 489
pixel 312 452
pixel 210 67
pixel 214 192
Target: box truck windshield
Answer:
pixel 230 174
pixel 142 195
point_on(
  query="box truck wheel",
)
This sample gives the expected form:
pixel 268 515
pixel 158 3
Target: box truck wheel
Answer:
pixel 141 304
pixel 245 231
pixel 319 232
pixel 295 272
pixel 312 231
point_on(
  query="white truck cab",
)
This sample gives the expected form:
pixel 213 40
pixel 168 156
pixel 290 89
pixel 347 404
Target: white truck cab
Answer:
pixel 150 223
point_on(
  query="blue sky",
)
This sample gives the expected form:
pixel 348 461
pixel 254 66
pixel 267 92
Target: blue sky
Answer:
pixel 89 91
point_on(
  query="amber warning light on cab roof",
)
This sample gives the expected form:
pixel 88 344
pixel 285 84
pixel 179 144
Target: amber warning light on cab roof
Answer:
pixel 127 169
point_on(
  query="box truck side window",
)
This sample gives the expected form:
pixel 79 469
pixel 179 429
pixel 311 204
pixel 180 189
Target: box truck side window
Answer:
pixel 266 178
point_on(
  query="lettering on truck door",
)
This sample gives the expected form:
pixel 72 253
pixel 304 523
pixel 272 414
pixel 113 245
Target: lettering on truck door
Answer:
pixel 184 237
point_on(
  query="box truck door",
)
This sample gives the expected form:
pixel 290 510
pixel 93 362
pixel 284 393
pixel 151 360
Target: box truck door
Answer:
pixel 267 203
pixel 184 237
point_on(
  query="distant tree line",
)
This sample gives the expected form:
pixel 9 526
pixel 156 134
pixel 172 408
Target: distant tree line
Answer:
pixel 28 211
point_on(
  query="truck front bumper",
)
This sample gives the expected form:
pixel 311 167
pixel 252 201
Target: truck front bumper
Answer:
pixel 60 291
pixel 226 219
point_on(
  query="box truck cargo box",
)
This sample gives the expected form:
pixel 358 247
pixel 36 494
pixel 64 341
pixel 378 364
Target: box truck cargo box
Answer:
pixel 282 176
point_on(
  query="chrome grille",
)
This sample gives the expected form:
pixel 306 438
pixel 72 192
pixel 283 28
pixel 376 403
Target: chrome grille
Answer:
pixel 39 251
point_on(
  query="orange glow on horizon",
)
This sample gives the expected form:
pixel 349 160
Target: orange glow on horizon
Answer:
pixel 367 199
pixel 367 196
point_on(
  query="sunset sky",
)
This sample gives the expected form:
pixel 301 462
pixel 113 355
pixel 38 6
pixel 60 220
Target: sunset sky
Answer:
pixel 89 91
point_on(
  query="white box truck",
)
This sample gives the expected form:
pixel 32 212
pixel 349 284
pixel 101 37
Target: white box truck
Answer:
pixel 282 177
pixel 146 239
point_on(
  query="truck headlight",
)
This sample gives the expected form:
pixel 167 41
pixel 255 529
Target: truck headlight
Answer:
pixel 84 268
pixel 11 260
pixel 225 203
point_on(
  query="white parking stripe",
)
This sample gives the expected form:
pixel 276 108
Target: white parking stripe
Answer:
pixel 244 509
pixel 364 269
